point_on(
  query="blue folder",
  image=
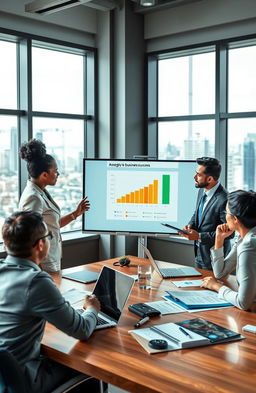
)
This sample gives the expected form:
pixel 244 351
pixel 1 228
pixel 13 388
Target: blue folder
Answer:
pixel 175 299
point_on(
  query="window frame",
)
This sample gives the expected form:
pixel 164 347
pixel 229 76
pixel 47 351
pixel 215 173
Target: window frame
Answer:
pixel 24 112
pixel 221 115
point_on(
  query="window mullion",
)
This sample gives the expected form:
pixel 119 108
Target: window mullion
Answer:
pixel 152 106
pixel 221 107
pixel 25 101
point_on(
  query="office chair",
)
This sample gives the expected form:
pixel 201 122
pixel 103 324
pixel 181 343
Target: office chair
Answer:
pixel 12 379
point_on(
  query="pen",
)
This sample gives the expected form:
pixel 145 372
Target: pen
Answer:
pixel 141 322
pixel 184 332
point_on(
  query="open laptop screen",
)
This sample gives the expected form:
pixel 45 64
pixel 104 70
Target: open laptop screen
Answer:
pixel 112 289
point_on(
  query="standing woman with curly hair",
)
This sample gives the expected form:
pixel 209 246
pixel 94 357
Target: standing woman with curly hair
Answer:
pixel 43 172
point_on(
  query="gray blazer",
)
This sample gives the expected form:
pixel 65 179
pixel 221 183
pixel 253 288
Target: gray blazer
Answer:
pixel 213 215
pixel 242 257
pixel 29 298
pixel 34 198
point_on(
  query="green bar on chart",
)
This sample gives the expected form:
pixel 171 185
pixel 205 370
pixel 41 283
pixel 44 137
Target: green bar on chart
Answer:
pixel 166 190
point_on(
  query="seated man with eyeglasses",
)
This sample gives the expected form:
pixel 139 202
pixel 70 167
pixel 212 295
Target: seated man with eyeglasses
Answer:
pixel 29 298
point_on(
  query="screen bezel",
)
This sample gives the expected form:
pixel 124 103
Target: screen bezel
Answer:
pixel 129 233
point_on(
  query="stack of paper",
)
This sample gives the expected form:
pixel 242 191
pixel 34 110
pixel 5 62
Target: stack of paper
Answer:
pixel 196 299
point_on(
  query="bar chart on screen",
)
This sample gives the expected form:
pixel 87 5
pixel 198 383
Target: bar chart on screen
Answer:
pixel 147 196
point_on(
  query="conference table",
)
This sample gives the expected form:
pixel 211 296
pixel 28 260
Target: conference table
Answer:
pixel 114 356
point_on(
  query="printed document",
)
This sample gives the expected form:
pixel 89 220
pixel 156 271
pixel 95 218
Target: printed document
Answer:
pixel 188 283
pixel 166 307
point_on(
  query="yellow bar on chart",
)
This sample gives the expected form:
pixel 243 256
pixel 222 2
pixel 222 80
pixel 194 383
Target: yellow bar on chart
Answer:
pixel 150 194
pixel 145 194
pixel 141 195
pixel 155 191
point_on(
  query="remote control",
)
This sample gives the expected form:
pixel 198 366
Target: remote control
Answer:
pixel 249 328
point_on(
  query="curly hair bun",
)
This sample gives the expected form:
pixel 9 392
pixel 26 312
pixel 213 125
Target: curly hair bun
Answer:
pixel 32 150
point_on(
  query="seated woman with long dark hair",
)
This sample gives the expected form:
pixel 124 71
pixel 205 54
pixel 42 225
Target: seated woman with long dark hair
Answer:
pixel 240 217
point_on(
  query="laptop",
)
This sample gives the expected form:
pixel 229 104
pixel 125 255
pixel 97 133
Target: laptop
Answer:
pixel 84 276
pixel 173 271
pixel 112 289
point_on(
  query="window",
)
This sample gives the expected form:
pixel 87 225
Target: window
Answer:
pixel 47 92
pixel 58 81
pixel 8 130
pixel 64 140
pixel 201 102
pixel 186 92
pixel 242 128
pixel 8 167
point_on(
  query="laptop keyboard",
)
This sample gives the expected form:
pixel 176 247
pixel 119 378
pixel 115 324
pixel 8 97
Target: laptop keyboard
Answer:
pixel 100 321
pixel 168 272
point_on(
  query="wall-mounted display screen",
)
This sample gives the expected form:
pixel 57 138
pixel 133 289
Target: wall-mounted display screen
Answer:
pixel 136 197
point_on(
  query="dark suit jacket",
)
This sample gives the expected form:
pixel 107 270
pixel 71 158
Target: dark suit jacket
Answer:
pixel 213 215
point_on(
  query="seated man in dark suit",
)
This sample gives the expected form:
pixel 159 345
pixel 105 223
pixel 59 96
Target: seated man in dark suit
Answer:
pixel 29 298
pixel 209 213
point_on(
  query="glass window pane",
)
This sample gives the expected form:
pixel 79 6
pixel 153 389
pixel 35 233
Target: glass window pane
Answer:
pixel 186 140
pixel 187 85
pixel 8 167
pixel 8 75
pixel 58 81
pixel 64 139
pixel 242 80
pixel 241 154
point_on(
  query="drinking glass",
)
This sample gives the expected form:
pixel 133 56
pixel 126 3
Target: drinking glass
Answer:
pixel 144 276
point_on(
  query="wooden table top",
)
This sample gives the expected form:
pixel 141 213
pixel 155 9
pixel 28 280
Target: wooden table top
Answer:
pixel 115 357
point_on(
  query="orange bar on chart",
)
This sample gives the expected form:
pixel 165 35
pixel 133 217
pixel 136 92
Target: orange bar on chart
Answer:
pixel 127 198
pixel 119 200
pixel 141 195
pixel 155 191
pixel 137 197
pixel 150 194
pixel 132 197
pixel 123 199
pixel 145 194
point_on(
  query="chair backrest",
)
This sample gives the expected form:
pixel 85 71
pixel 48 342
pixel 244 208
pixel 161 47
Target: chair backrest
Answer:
pixel 12 379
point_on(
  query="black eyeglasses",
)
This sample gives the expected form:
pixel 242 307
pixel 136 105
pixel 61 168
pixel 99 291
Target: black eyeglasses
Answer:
pixel 48 235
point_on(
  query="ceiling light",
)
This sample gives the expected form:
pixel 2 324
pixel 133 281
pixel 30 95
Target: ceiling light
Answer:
pixel 147 3
pixel 50 6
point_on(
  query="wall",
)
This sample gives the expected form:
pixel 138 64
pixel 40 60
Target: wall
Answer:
pixel 77 24
pixel 181 252
pixel 199 22
pixel 80 251
pixel 86 251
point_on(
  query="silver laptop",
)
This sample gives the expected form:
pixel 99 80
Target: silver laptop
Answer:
pixel 112 289
pixel 173 271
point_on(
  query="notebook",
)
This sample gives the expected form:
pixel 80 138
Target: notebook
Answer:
pixel 170 272
pixel 112 289
pixel 84 276
pixel 186 334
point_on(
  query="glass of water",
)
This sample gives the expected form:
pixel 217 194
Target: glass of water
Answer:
pixel 144 276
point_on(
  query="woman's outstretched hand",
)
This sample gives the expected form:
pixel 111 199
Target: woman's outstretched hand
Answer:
pixel 82 207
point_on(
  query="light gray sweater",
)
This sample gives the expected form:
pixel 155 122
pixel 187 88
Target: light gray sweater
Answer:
pixel 242 257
